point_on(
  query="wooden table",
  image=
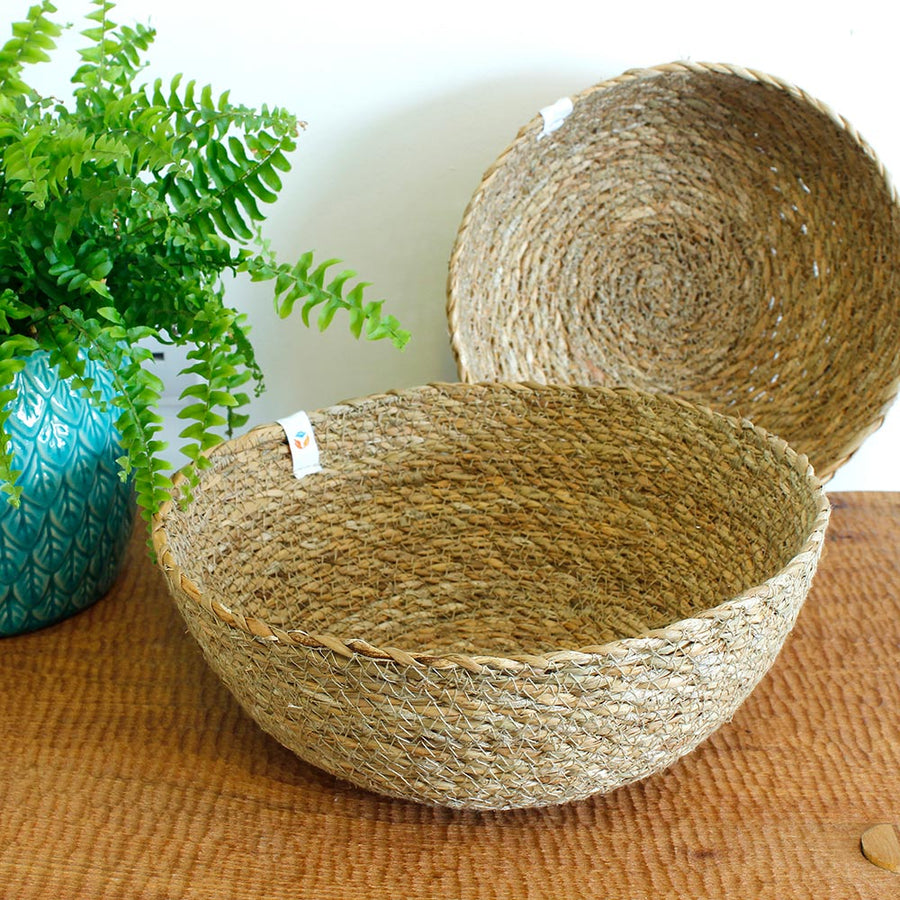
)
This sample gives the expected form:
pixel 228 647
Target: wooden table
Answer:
pixel 127 771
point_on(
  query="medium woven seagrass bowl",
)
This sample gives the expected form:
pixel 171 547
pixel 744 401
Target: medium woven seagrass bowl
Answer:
pixel 696 229
pixel 497 596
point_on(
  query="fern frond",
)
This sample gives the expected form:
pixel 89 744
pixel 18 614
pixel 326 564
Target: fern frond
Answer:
pixel 41 163
pixel 225 186
pixel 303 282
pixel 221 368
pixel 137 394
pixel 84 271
pixel 113 58
pixel 102 44
pixel 30 43
pixel 27 170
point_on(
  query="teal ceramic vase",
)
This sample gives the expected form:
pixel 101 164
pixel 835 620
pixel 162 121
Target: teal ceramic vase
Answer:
pixel 61 549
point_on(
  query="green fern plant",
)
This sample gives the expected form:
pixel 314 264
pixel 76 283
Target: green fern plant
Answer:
pixel 119 214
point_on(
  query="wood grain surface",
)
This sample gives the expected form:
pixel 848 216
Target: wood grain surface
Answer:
pixel 127 771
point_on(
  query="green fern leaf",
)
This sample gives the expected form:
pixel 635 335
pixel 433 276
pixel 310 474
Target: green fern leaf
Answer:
pixel 30 43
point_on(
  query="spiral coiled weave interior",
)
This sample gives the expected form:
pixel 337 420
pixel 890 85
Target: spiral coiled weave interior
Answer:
pixel 695 229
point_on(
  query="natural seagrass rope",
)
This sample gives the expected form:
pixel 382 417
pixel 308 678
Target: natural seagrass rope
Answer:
pixel 497 595
pixel 700 229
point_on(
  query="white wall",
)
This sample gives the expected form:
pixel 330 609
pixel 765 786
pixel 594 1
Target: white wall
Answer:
pixel 409 102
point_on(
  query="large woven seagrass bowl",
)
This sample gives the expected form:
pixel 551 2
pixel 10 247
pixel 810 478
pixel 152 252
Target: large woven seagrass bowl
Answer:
pixel 695 229
pixel 497 596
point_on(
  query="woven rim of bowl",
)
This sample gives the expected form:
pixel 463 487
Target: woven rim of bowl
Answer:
pixel 683 66
pixel 583 656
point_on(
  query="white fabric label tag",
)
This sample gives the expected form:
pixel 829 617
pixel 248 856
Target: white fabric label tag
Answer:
pixel 302 440
pixel 555 114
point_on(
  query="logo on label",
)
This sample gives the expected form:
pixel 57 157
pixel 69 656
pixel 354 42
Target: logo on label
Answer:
pixel 301 438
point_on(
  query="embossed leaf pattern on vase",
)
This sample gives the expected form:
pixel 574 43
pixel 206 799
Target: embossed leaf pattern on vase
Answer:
pixel 61 549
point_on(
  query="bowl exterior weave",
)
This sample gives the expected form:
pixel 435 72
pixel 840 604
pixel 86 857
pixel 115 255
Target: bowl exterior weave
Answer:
pixel 698 229
pixel 497 596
